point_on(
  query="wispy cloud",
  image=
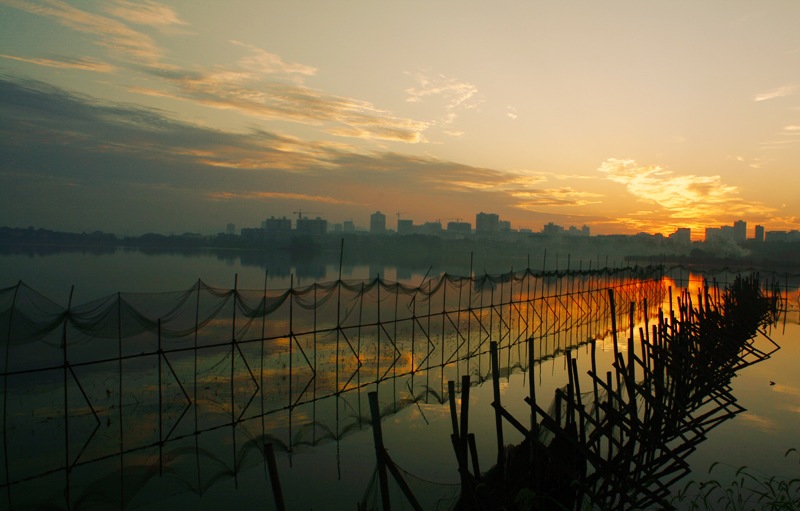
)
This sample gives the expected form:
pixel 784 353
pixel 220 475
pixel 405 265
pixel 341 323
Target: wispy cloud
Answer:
pixel 786 90
pixel 144 12
pixel 123 41
pixel 260 62
pixel 278 195
pixel 457 95
pixel 684 197
pixel 184 166
pixel 759 422
pixel 62 62
pixel 782 388
pixel 565 196
pixel 261 84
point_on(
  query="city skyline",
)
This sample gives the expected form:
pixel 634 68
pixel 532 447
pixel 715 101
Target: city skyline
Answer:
pixel 488 223
pixel 135 117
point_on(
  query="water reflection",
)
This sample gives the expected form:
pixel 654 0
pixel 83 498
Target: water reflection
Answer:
pixel 204 378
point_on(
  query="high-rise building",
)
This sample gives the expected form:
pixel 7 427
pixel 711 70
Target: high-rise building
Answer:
pixel 552 229
pixel 275 225
pixel 681 235
pixel 739 231
pixel 487 223
pixel 312 226
pixel 405 226
pixel 431 228
pixel 348 226
pixel 377 223
pixel 713 234
pixel 459 227
pixel 759 233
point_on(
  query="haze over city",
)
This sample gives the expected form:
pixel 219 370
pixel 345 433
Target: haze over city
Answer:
pixel 626 117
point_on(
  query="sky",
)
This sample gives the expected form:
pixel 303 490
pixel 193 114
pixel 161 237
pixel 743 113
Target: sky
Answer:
pixel 175 116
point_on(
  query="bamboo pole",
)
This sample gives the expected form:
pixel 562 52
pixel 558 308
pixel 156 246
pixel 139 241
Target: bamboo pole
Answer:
pixel 498 418
pixel 274 478
pixel 380 451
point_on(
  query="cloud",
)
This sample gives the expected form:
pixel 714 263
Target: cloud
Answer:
pixel 263 85
pixel 62 62
pixel 786 90
pixel 565 196
pixel 686 198
pixel 261 62
pixel 69 157
pixel 277 195
pixel 789 390
pixel 144 12
pixel 758 422
pixel 456 95
pixel 259 84
pixel 122 41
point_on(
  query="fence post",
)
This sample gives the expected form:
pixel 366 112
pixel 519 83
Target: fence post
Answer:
pixel 498 418
pixel 274 480
pixel 380 451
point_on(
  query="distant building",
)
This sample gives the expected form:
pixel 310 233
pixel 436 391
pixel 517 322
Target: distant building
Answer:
pixel 312 226
pixel 459 228
pixel 681 235
pixel 277 225
pixel 377 223
pixel 405 226
pixel 552 229
pixel 712 234
pixel 719 234
pixel 433 228
pixel 739 231
pixel 782 236
pixel 574 231
pixel 759 233
pixel 230 229
pixel 487 223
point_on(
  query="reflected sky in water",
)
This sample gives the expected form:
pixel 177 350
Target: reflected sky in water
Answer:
pixel 337 454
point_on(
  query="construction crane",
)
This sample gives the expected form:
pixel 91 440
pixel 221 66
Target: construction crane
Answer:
pixel 299 213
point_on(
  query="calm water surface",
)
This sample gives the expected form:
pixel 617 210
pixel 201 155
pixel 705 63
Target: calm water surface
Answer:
pixel 332 467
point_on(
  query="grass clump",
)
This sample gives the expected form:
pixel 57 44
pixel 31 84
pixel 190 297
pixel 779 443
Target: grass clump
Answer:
pixel 750 489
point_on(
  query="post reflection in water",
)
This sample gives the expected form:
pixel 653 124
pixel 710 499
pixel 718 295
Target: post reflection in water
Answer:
pixel 147 396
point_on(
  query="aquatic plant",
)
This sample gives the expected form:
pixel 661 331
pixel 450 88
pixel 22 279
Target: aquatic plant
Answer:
pixel 749 489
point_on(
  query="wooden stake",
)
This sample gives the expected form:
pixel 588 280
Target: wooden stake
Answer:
pixel 380 451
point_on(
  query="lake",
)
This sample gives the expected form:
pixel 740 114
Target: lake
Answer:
pixel 136 435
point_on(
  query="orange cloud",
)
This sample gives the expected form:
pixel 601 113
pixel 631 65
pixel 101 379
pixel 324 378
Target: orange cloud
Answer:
pixel 85 63
pixel 144 12
pixel 277 195
pixel 110 33
pixel 702 199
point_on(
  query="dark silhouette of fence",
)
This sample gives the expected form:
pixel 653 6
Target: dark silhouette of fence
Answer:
pixel 142 373
pixel 622 443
